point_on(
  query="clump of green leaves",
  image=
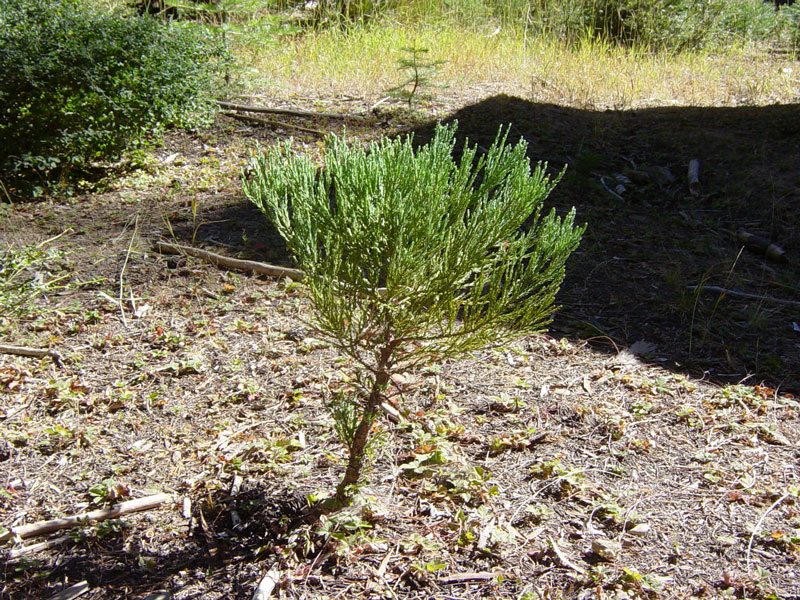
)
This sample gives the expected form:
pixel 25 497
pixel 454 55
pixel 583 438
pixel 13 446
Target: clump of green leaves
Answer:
pixel 419 75
pixel 412 256
pixel 81 84
pixel 27 273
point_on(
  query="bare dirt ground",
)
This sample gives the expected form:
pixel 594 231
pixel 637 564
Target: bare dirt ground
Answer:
pixel 612 457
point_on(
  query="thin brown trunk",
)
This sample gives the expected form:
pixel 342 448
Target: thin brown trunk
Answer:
pixel 361 436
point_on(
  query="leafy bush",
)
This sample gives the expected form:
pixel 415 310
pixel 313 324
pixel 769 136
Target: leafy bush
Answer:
pixel 82 85
pixel 411 256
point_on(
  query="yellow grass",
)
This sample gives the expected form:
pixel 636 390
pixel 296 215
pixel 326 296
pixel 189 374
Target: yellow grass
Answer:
pixel 363 63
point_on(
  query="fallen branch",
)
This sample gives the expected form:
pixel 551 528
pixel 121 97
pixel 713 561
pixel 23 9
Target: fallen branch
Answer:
pixel 693 176
pixel 760 244
pixel 272 123
pixel 720 290
pixel 71 592
pixel 460 578
pixel 123 508
pixel 286 111
pixel 23 550
pixel 266 585
pixel 237 263
pixel 231 263
pixel 35 352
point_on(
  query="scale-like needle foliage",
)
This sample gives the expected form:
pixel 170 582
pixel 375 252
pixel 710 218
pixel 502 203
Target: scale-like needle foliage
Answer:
pixel 412 256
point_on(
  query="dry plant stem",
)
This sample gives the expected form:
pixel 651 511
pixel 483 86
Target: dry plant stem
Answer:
pixel 721 290
pixel 272 123
pixel 34 352
pixel 286 111
pixel 123 508
pixel 231 263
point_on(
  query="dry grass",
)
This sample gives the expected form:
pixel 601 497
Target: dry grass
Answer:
pixel 363 63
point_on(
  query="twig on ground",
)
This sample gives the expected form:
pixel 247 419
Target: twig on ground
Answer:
pixel 720 290
pixel 22 551
pixel 772 507
pixel 266 585
pixel 123 508
pixel 693 176
pixel 467 578
pixel 286 111
pixel 34 352
pixel 272 123
pixel 231 263
pixel 71 592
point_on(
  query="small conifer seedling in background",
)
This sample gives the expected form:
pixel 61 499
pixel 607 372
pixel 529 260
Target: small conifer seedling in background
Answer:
pixel 412 256
pixel 420 74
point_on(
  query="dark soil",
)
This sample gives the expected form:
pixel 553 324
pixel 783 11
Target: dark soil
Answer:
pixel 563 466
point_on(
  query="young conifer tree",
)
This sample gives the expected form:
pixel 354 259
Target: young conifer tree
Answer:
pixel 412 256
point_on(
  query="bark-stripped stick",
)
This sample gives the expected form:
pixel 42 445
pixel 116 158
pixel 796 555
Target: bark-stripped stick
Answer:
pixel 724 291
pixel 286 111
pixel 693 175
pixel 237 263
pixel 231 263
pixel 123 508
pixel 35 352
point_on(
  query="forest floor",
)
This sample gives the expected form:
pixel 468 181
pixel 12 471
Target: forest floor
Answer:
pixel 646 446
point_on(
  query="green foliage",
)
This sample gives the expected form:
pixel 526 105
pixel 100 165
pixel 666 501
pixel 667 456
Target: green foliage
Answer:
pixel 657 24
pixel 419 75
pixel 81 85
pixel 26 274
pixel 412 256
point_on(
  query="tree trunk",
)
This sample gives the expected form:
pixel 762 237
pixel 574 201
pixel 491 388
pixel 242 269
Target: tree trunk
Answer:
pixel 361 437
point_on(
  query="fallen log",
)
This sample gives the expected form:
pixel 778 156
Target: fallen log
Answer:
pixel 103 514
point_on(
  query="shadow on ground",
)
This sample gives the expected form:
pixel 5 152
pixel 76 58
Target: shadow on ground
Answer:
pixel 195 566
pixel 649 239
pixel 653 249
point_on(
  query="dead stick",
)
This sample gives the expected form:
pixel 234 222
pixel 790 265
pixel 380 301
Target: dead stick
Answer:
pixel 467 578
pixel 23 550
pixel 693 175
pixel 35 352
pixel 266 585
pixel 286 111
pixel 237 263
pixel 123 508
pixel 231 263
pixel 272 123
pixel 720 290
pixel 71 592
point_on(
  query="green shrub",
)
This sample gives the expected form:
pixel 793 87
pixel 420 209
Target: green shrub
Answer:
pixel 81 85
pixel 411 256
